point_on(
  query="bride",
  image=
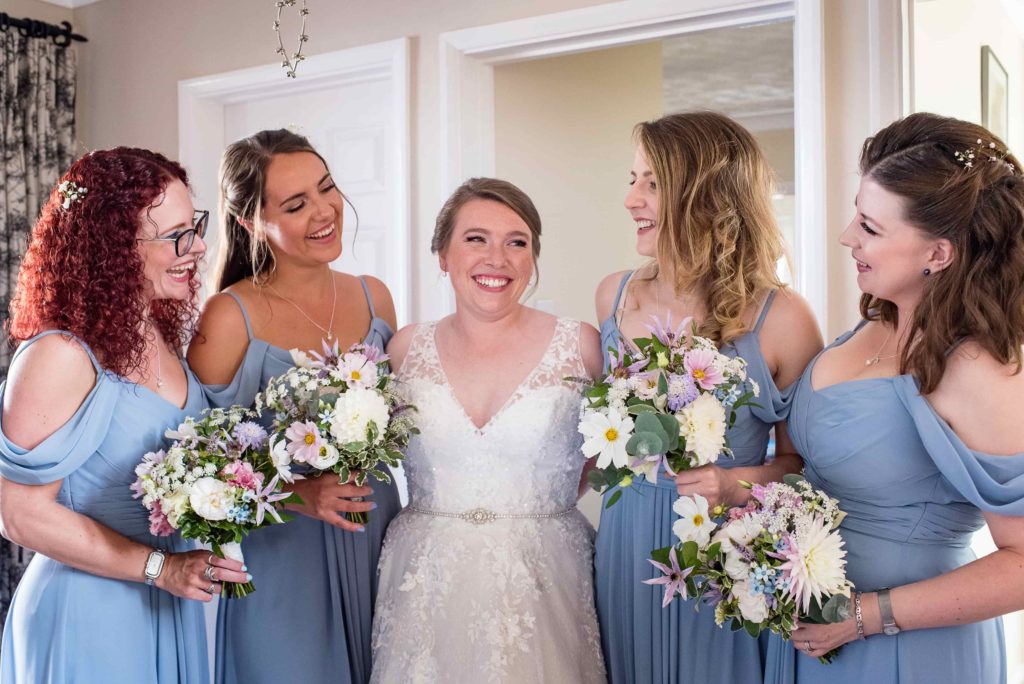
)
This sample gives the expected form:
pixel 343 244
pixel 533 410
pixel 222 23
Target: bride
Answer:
pixel 487 575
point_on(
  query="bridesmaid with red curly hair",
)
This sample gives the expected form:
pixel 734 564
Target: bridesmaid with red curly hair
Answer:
pixel 104 306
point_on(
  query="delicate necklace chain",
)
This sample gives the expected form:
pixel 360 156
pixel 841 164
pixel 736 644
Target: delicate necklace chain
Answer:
pixel 330 326
pixel 876 359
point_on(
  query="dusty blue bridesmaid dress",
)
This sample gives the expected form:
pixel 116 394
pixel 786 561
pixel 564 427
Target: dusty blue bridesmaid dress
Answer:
pixel 642 641
pixel 309 619
pixel 66 625
pixel 914 495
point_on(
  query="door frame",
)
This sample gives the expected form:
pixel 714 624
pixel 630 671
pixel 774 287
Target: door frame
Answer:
pixel 468 58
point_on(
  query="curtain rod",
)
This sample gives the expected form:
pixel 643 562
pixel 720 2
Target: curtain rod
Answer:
pixel 31 28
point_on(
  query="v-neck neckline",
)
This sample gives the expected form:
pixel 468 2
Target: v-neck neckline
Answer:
pixel 510 399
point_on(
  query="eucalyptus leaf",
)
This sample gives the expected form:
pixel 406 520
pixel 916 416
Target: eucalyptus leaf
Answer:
pixel 671 427
pixel 836 609
pixel 644 444
pixel 637 409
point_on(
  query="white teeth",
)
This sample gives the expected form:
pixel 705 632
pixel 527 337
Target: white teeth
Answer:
pixel 182 270
pixel 644 223
pixel 321 234
pixel 492 282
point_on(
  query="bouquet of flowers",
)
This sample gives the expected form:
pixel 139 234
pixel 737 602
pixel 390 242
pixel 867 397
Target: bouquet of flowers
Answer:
pixel 776 560
pixel 666 405
pixel 340 413
pixel 213 484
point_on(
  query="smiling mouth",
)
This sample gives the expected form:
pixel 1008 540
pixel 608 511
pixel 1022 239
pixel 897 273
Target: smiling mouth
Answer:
pixel 492 282
pixel 321 234
pixel 644 225
pixel 183 271
pixel 861 266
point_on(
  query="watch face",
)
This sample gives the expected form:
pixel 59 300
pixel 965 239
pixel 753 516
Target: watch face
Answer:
pixel 154 564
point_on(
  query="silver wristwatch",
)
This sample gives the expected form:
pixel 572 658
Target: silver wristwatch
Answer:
pixel 154 566
pixel 889 626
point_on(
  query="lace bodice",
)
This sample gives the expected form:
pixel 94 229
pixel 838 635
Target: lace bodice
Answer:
pixel 526 459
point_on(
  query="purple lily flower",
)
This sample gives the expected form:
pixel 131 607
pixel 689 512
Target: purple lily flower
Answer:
pixel 664 331
pixel 673 578
pixel 266 498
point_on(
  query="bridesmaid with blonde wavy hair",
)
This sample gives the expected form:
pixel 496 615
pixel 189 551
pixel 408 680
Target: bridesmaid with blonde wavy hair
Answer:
pixel 700 198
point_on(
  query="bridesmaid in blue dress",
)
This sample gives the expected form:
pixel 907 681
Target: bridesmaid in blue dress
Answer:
pixel 105 298
pixel 316 577
pixel 912 420
pixel 715 262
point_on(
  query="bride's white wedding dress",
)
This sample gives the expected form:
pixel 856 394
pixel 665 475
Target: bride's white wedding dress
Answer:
pixel 487 575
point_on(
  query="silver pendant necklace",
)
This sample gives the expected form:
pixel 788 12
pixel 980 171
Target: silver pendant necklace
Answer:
pixel 328 331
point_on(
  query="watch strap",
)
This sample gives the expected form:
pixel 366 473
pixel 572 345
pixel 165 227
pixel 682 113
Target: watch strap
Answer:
pixel 889 625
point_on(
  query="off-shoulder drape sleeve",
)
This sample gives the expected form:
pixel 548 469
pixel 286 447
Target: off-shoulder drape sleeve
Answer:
pixel 68 448
pixel 992 483
pixel 773 404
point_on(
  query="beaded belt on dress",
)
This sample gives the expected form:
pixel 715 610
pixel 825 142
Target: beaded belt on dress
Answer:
pixel 479 516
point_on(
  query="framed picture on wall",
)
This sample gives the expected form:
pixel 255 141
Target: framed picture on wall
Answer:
pixel 995 103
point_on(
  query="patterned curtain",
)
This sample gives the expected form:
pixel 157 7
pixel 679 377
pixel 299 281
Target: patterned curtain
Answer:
pixel 37 139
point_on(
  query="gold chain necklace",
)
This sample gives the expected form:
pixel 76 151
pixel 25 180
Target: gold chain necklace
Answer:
pixel 876 359
pixel 330 326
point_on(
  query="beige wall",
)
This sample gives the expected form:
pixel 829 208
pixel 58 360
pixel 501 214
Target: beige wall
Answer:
pixel 563 131
pixel 41 11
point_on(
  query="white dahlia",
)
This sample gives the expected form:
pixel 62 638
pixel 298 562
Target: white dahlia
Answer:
pixel 815 563
pixel 353 413
pixel 702 425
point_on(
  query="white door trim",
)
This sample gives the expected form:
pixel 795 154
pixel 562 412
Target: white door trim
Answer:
pixel 201 103
pixel 467 58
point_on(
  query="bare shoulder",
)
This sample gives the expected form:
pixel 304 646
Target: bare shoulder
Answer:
pixel 604 298
pixel 399 345
pixel 978 396
pixel 590 350
pixel 790 336
pixel 36 404
pixel 220 341
pixel 383 303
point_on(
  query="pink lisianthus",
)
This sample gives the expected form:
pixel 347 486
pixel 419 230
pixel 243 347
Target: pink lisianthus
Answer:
pixel 242 475
pixel 158 523
pixel 304 441
pixel 758 491
pixel 699 363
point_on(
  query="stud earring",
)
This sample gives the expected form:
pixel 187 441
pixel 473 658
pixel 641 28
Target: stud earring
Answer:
pixel 927 271
pixel 444 274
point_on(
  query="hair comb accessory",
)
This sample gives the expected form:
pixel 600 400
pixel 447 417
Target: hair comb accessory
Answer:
pixel 71 192
pixel 990 151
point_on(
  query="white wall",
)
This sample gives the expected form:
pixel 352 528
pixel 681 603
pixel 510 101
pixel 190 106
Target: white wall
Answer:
pixel 948 35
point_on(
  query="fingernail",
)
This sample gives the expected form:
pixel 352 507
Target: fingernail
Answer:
pixel 245 568
pixel 248 577
pixel 373 504
pixel 360 529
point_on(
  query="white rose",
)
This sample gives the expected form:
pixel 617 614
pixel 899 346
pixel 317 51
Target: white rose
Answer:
pixel 210 498
pixel 743 530
pixel 174 506
pixel 735 566
pixel 752 606
pixel 353 413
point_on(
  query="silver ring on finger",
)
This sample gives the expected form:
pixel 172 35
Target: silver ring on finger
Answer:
pixel 209 560
pixel 209 590
pixel 209 573
pixel 807 644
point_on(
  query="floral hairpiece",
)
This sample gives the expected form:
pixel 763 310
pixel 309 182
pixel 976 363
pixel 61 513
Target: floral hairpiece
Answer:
pixel 968 156
pixel 71 192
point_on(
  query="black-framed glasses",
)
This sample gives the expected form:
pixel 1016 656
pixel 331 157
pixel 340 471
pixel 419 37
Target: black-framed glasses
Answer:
pixel 183 241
